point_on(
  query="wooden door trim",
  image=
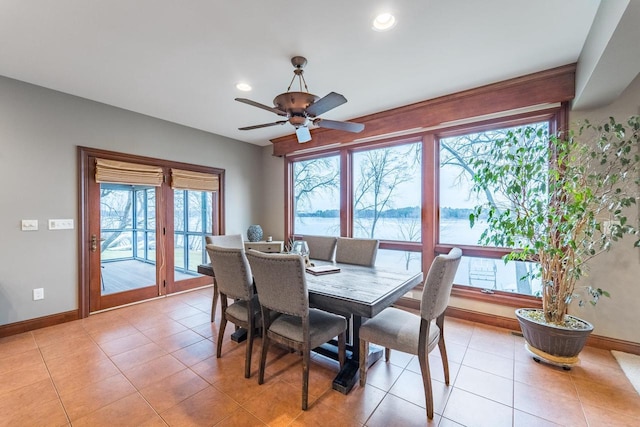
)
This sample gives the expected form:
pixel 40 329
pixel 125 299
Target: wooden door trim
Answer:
pixel 84 213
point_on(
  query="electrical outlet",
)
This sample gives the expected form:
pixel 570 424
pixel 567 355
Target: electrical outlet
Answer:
pixel 38 294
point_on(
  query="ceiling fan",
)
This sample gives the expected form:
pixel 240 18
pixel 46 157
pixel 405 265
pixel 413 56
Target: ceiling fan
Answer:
pixel 302 109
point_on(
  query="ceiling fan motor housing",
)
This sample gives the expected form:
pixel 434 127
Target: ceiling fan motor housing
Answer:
pixel 294 103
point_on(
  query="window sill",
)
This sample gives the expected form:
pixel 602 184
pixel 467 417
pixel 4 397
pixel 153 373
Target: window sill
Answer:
pixel 496 297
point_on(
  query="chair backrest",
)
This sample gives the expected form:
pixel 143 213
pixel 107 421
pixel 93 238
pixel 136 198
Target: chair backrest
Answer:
pixel 438 284
pixel 357 251
pixel 226 241
pixel 280 282
pixel 321 247
pixel 232 272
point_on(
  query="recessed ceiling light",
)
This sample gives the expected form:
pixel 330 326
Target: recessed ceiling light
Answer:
pixel 245 87
pixel 384 22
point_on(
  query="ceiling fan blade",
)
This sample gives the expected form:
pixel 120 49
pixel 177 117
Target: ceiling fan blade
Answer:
pixel 325 104
pixel 265 125
pixel 333 124
pixel 303 134
pixel 264 107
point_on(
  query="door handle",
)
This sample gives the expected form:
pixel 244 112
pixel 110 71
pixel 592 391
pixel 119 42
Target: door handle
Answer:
pixel 94 243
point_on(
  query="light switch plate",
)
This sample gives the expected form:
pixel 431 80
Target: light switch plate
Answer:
pixel 29 225
pixel 60 224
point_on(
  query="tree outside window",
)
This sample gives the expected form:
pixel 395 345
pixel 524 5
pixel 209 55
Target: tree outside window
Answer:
pixel 316 196
pixel 456 203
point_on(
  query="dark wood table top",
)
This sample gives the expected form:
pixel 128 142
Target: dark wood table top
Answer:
pixel 361 291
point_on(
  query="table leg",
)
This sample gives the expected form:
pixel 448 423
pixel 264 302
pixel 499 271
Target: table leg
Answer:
pixel 349 374
pixel 239 335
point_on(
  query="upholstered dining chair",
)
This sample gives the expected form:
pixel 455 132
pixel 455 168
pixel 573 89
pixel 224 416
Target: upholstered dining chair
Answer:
pixel 224 241
pixel 321 247
pixel 282 288
pixel 357 251
pixel 233 275
pixel 398 329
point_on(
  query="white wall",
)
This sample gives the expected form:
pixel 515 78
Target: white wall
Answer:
pixel 39 132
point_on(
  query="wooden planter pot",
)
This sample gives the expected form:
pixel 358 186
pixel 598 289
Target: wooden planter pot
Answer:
pixel 553 344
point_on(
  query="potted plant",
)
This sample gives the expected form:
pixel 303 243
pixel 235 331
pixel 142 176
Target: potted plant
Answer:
pixel 560 200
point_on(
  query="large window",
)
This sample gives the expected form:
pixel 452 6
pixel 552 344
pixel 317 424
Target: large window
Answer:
pixel 385 188
pixel 386 200
pixel 316 196
pixel 416 210
pixel 486 271
pixel 386 193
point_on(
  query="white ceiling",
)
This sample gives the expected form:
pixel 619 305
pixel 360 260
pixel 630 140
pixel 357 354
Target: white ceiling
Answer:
pixel 180 60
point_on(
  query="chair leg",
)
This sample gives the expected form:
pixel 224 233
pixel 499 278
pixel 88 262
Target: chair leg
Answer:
pixel 263 356
pixel 306 360
pixel 423 358
pixel 443 356
pixel 249 350
pixel 214 303
pixel 223 325
pixel 364 352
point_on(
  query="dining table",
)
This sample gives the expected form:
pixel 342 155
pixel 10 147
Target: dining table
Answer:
pixel 358 293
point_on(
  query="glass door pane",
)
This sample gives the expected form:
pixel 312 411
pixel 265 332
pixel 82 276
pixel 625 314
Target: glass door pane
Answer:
pixel 192 222
pixel 127 238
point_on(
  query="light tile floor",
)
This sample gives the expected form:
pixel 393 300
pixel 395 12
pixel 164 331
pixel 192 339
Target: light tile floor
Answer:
pixel 154 364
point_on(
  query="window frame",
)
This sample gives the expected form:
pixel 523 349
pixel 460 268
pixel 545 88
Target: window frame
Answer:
pixel 429 246
pixel 187 233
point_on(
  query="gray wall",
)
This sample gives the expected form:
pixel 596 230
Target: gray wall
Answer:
pixel 617 271
pixel 39 132
pixel 273 194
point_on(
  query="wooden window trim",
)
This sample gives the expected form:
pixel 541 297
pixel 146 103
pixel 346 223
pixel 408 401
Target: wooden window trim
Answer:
pixel 495 297
pixel 540 96
pixel 553 86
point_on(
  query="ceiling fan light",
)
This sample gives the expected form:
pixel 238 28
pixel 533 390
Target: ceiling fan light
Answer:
pixel 303 134
pixel 384 22
pixel 245 87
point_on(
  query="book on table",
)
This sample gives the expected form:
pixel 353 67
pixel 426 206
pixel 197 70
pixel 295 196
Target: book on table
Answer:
pixel 323 269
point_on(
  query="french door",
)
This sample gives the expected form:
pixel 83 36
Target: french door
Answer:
pixel 127 243
pixel 141 241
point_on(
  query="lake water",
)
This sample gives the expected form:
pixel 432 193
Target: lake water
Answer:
pixel 455 231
